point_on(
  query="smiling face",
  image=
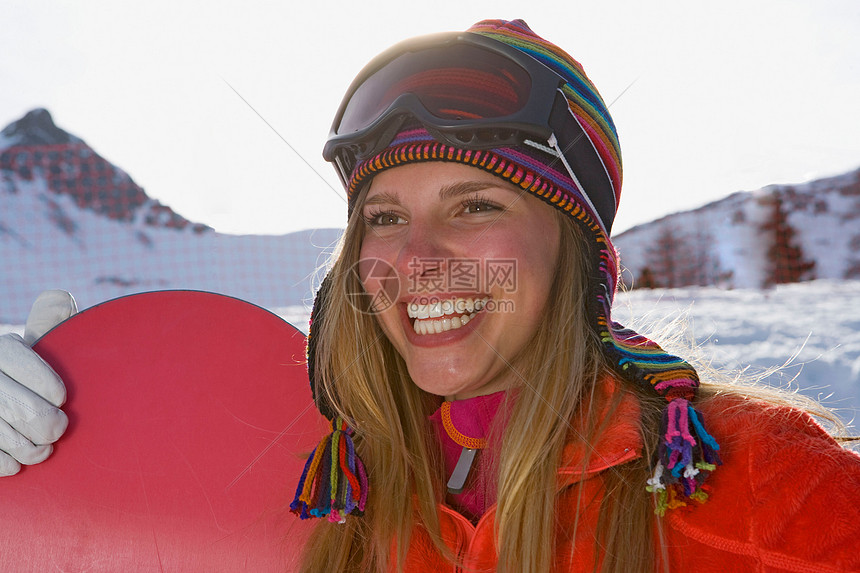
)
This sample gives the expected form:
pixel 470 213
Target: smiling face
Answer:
pixel 464 262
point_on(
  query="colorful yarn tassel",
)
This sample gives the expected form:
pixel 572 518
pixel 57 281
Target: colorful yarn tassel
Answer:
pixel 687 455
pixel 334 481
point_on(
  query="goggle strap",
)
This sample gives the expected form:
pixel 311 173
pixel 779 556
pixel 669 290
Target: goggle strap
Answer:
pixel 542 147
pixel 556 150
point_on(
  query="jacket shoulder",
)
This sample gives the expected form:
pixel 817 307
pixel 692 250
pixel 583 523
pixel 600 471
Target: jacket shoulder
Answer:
pixel 787 496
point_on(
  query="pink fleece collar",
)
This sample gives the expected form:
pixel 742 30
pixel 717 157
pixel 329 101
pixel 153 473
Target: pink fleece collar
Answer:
pixel 472 418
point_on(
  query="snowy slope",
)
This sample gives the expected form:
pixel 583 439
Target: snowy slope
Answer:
pixel 723 242
pixel 46 241
pixel 815 326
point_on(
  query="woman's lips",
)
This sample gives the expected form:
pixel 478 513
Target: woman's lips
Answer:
pixel 437 315
pixel 435 321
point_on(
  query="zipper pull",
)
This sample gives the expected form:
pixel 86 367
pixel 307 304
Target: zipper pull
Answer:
pixel 461 471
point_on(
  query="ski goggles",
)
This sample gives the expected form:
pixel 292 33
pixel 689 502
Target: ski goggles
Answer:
pixel 471 92
pixel 466 89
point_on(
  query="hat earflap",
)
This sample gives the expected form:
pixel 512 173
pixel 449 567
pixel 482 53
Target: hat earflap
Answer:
pixel 334 480
pixel 687 453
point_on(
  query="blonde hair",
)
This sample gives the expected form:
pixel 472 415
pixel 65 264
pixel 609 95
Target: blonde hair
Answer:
pixel 565 363
pixel 367 382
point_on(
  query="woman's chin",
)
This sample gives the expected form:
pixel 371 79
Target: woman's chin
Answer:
pixel 456 385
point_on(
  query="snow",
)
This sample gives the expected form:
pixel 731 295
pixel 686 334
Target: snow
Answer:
pixel 811 328
pixel 829 249
pixel 46 241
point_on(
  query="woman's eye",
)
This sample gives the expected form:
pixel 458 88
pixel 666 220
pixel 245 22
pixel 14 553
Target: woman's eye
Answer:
pixel 383 219
pixel 478 206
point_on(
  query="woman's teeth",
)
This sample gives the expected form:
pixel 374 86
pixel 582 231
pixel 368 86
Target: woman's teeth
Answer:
pixel 437 316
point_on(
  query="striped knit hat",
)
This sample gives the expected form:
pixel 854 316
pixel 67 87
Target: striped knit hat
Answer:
pixel 551 180
pixel 565 179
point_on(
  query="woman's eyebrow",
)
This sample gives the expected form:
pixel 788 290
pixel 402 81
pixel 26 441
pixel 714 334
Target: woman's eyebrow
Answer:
pixel 445 192
pixel 464 188
pixel 383 197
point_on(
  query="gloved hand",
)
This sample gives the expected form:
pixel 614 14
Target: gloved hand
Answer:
pixel 30 390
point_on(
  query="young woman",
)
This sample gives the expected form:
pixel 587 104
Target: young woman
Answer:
pixel 487 413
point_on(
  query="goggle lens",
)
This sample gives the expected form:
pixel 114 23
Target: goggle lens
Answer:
pixel 452 83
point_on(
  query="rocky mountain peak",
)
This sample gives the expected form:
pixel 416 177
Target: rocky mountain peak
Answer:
pixel 37 127
pixel 36 154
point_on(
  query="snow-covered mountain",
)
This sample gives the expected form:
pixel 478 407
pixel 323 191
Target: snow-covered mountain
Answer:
pixel 69 219
pixel 805 231
pixel 35 149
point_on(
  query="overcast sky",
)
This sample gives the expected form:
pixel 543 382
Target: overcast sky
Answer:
pixel 725 96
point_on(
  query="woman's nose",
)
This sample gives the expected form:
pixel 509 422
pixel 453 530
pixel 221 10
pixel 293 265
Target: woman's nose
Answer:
pixel 424 259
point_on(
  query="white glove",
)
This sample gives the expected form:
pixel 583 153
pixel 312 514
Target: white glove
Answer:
pixel 30 390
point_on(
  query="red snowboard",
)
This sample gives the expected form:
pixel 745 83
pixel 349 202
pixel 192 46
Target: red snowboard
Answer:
pixel 189 414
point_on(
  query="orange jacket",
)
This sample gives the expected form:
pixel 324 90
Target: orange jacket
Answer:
pixel 787 498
